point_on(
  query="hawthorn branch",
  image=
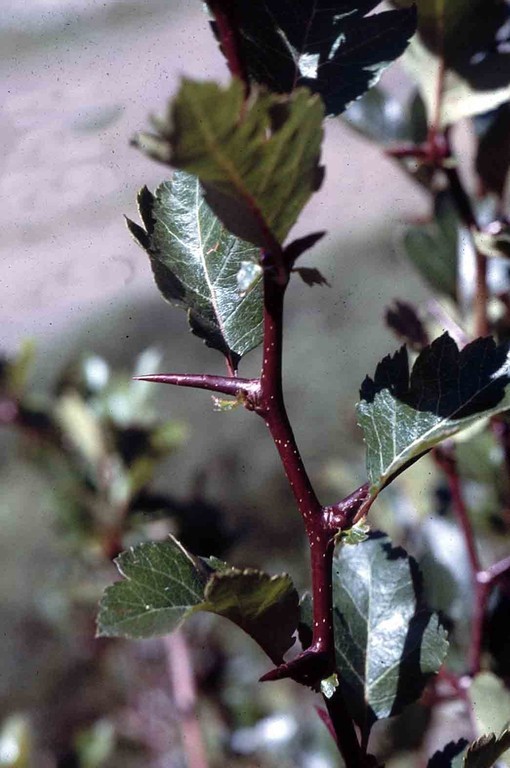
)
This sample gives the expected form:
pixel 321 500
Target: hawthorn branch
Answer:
pixel 446 461
pixel 318 660
pixel 265 397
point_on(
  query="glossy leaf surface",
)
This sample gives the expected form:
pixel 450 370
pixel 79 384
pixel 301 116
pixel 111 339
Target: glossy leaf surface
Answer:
pixel 195 262
pixel 405 413
pixel 387 645
pixel 258 162
pixel 334 48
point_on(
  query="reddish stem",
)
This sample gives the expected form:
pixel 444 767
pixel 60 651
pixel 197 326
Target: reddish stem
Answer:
pixel 318 660
pixel 226 385
pixel 265 397
pixel 184 695
pixel 224 13
pixel 483 579
pixel 494 573
pixel 446 460
pixel 271 406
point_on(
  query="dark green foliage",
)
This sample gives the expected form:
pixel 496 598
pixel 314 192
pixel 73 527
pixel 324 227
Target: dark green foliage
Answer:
pixel 381 117
pixel 432 248
pixel 333 48
pixel 164 584
pixel 258 163
pixel 387 644
pixel 405 413
pixel 470 40
pixel 195 262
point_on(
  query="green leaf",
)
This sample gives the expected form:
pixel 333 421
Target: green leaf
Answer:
pixel 403 415
pixel 387 645
pixel 195 262
pixel 486 750
pixel 381 117
pixel 162 584
pixel 467 41
pixel 165 585
pixel 258 162
pixel 265 607
pixel 432 247
pixel 490 700
pixel 331 47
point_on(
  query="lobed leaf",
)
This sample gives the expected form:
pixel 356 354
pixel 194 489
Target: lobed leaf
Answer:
pixel 195 262
pixel 265 607
pixel 333 48
pixel 387 644
pixel 258 161
pixel 404 414
pixel 164 585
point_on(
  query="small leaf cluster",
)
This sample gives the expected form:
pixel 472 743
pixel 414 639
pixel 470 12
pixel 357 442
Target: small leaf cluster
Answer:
pixel 97 433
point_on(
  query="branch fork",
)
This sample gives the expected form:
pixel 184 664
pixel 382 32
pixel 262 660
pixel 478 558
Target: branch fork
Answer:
pixel 265 397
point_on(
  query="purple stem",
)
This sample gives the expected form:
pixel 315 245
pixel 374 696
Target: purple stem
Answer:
pixel 226 385
pixel 483 580
pixel 495 572
pixel 319 659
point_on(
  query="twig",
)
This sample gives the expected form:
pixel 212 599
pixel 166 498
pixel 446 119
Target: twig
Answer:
pixel 483 579
pixel 318 661
pixel 346 738
pixel 446 460
pixel 184 696
pixel 495 573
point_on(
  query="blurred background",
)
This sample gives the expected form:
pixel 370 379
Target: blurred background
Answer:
pixel 79 77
